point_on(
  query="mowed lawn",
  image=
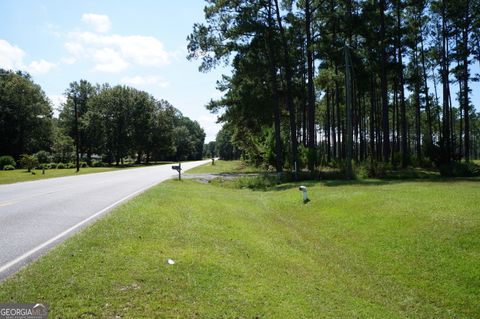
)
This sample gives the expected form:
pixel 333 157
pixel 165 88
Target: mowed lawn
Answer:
pixel 365 249
pixel 22 175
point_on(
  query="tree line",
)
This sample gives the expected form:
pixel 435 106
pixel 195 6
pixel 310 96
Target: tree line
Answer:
pixel 113 123
pixel 321 81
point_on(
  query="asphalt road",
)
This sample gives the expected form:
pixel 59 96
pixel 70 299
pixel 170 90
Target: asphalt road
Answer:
pixel 35 216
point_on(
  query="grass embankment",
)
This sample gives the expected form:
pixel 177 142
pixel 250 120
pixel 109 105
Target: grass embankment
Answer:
pixel 21 175
pixel 369 249
pixel 224 167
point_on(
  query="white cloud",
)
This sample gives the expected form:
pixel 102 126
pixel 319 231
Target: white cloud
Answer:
pixel 145 80
pixel 40 67
pixel 75 48
pixel 11 56
pixel 100 22
pixel 210 126
pixel 143 50
pixel 109 60
pixel 69 60
pixel 125 50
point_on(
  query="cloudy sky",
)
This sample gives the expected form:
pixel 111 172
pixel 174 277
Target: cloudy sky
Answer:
pixel 139 43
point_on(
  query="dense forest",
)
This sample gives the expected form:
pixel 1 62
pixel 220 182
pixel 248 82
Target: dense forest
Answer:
pixel 113 123
pixel 323 82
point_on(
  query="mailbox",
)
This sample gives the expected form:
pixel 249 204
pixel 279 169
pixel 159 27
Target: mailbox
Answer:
pixel 178 168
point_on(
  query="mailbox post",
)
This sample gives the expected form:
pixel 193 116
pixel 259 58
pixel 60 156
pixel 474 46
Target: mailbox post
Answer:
pixel 178 168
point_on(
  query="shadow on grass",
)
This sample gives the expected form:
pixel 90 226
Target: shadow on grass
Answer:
pixel 270 182
pixel 390 181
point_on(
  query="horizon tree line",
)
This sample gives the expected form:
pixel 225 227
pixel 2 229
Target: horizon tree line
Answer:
pixel 113 122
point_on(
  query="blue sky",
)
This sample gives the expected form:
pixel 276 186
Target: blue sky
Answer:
pixel 140 43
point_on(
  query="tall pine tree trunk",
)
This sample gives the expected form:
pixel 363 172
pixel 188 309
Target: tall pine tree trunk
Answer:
pixel 403 109
pixel 466 75
pixel 327 126
pixel 273 80
pixel 446 143
pixel 289 91
pixel 418 145
pixel 384 85
pixel 310 89
pixel 427 100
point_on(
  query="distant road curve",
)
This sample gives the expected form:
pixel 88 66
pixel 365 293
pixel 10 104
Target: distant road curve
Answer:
pixel 36 216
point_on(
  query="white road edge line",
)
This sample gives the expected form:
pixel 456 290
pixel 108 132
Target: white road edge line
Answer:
pixel 48 242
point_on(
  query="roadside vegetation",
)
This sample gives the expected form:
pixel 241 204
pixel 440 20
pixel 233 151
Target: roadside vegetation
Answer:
pixel 34 170
pixel 225 167
pixel 15 176
pixel 106 124
pixel 367 249
pixel 332 83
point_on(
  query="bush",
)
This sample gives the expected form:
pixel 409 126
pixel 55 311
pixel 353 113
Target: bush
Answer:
pixel 83 164
pixel 61 166
pixel 373 169
pixel 43 157
pixel 256 182
pixel 6 160
pixel 71 165
pixel 99 164
pixel 9 167
pixel 28 161
pixel 456 169
pixel 250 182
pixel 52 165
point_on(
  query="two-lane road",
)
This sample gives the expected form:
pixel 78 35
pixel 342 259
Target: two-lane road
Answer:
pixel 35 216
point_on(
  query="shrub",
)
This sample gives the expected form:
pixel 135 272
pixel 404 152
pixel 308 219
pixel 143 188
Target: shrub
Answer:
pixel 52 165
pixel 8 167
pixel 373 169
pixel 43 157
pixel 61 166
pixel 83 164
pixel 99 164
pixel 41 166
pixel 457 169
pixel 6 160
pixel 28 161
pixel 71 165
pixel 255 182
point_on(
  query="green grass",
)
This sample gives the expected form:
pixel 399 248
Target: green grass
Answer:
pixel 224 167
pixel 360 249
pixel 21 175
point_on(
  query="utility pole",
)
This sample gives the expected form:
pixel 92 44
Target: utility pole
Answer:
pixel 76 131
pixel 348 105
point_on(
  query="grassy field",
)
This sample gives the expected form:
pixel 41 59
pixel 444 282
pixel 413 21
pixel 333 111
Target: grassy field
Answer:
pixel 21 175
pixel 365 249
pixel 224 167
